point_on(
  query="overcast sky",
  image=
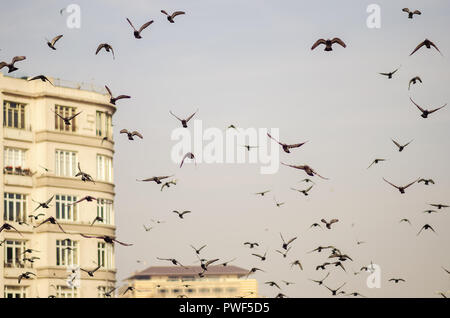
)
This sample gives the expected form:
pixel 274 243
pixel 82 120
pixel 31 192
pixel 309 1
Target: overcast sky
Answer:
pixel 249 63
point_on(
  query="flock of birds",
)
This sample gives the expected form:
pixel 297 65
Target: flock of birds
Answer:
pixel 336 258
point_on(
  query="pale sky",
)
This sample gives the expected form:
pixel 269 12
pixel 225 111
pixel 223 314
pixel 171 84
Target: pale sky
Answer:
pixel 249 63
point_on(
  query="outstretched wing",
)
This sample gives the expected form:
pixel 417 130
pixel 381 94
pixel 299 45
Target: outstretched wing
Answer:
pixel 434 45
pixel 417 48
pixel 123 131
pixel 49 200
pixel 296 145
pixel 176 13
pixel 99 47
pixel 318 42
pixel 17 59
pixel 268 135
pixel 121 243
pixel 405 10
pixel 291 240
pixel 145 25
pixel 131 24
pixel 190 117
pixel 396 143
pixel 109 91
pixel 163 11
pixel 338 41
pixel 390 183
pixel 75 115
pixel 58 115
pixel 175 115
pixel 435 110
pixel 56 38
pixel 136 133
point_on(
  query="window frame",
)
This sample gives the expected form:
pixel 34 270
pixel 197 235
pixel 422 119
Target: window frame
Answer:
pixel 67 165
pixel 13 114
pixel 15 202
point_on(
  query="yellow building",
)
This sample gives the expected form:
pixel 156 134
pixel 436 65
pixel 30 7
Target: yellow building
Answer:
pixel 176 281
pixel 40 155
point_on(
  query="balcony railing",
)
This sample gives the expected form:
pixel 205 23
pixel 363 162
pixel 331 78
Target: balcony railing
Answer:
pixel 17 171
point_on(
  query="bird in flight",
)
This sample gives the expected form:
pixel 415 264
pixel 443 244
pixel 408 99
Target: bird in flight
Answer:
pixel 147 229
pixel 84 176
pixel 272 284
pixel 170 17
pixel 315 225
pixel 305 192
pixel 108 48
pixel 172 260
pixel 376 161
pixel 446 270
pixel 168 183
pixel 97 219
pixel 309 171
pixel 106 238
pixel 401 189
pixel 329 43
pixel 10 66
pixel 278 204
pixel 51 44
pixel 7 226
pixel 155 179
pixel 137 33
pixel 67 120
pixel 426 112
pixel 181 214
pixel 44 205
pixel 334 291
pixel 262 193
pixel 430 211
pixel 411 13
pixel 323 266
pixel 35 217
pixel 401 147
pixel 428 44
pixel 297 262
pixel 43 78
pixel 397 280
pixel 253 270
pixel 183 121
pixel 25 275
pixel 91 272
pixel 328 224
pixel 413 81
pixel 426 227
pixel 286 244
pixel 112 99
pixel 389 74
pixel 440 206
pixel 248 147
pixel 52 220
pixel 405 220
pixel 87 198
pixel 251 245
pixel 204 265
pixel 227 262
pixel 426 181
pixel 197 251
pixel 261 257
pixel 286 147
pixel 131 134
pixel 320 282
pixel 189 155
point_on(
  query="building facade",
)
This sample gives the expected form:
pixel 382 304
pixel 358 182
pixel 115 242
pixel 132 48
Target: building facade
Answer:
pixel 176 281
pixel 40 157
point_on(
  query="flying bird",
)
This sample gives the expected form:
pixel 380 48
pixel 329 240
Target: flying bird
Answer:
pixel 52 220
pixel 91 272
pixel 51 44
pixel 137 33
pixel 286 147
pixel 108 48
pixel 197 251
pixel 297 262
pixel 426 112
pixel 189 155
pixel 84 176
pixel 35 217
pixel 262 193
pixel 401 189
pixel 305 192
pixel 320 282
pixel 112 99
pixel 261 257
pixel 40 77
pixel 251 245
pixel 286 244
pixel 440 206
pixel 328 224
pixel 67 120
pixel 168 184
pixel 401 147
pixel 25 275
pixel 97 219
pixel 227 262
pixel 413 81
pixel 272 284
pixel 334 291
pixel 106 238
pixel 155 179
pixel 426 181
pixel 183 121
pixel 7 226
pixel 376 161
pixel 428 44
pixel 204 265
pixel 10 66
pixel 181 214
pixel 397 280
pixel 389 74
pixel 430 211
pixel 278 204
pixel 284 253
pixel 323 266
pixel 172 260
pixel 253 270
pixel 248 147
pixel 87 198
pixel 405 220
pixel 131 134
pixel 426 227
pixel 309 171
pixel 328 43
pixel 147 229
pixel 411 13
pixel 170 17
pixel 315 225
pixel 44 205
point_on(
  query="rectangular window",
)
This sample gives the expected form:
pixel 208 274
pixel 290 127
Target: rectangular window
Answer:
pixel 15 292
pixel 65 209
pixel 13 115
pixel 103 123
pixel 66 252
pixel 105 211
pixel 66 292
pixel 65 163
pixel 13 157
pixel 14 207
pixel 14 254
pixel 65 112
pixel 105 254
pixel 104 168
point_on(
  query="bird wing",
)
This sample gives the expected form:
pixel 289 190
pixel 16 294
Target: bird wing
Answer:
pixel 100 46
pixel 123 131
pixel 189 118
pixel 396 143
pixel 334 221
pixel 109 91
pixel 291 240
pixel 274 139
pixel 163 11
pixel 339 41
pixel 122 97
pixel 145 25
pixel 175 115
pixel 434 45
pixel 435 110
pixel 17 59
pixel 3 64
pixel 318 42
pixel 60 227
pixel 89 236
pixel 131 24
pixel 405 10
pixel 296 145
pixel 122 243
pixel 210 262
pixel 58 115
pixel 420 108
pixel 316 174
pixel 75 115
pixel 136 133
pixel 411 184
pixel 417 48
pixel 177 13
pixel 417 12
pixel 185 212
pixel 56 38
pixel 390 183
pixel 50 200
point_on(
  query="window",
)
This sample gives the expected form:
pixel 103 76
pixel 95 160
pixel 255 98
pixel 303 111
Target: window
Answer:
pixel 15 292
pixel 65 209
pixel 65 163
pixel 14 253
pixel 103 123
pixel 66 253
pixel 13 157
pixel 104 168
pixel 14 207
pixel 66 292
pixel 105 255
pixel 13 115
pixel 204 290
pixel 104 210
pixel 217 290
pixel 65 111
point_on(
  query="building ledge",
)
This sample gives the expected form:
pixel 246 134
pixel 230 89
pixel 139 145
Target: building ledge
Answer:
pixel 73 183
